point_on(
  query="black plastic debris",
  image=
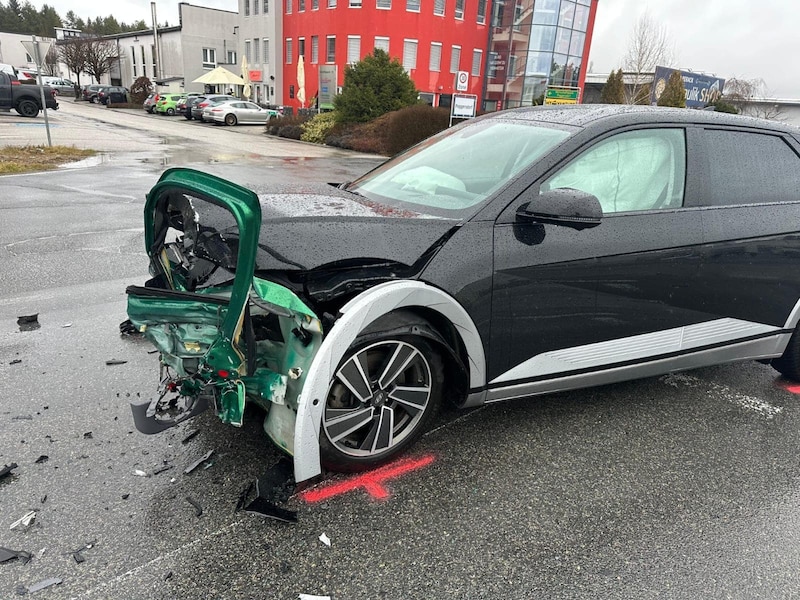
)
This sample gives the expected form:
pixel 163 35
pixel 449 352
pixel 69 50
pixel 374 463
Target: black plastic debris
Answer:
pixel 22 418
pixel 16 361
pixel 198 462
pixel 190 437
pixel 128 329
pixel 198 510
pixel 87 435
pixel 168 576
pixel 28 322
pixel 162 468
pixel 7 554
pixel 274 487
pixel 78 554
pixel 42 459
pixel 46 583
pixel 6 470
pixel 125 496
pixel 115 361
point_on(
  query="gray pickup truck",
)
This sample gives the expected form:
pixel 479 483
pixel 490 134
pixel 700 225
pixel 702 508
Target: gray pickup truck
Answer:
pixel 26 99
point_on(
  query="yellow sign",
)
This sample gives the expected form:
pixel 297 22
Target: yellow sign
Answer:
pixel 562 95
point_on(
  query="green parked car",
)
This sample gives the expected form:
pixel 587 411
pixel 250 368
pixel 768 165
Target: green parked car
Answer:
pixel 168 103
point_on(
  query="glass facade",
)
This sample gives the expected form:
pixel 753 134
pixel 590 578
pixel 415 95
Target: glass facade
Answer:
pixel 535 44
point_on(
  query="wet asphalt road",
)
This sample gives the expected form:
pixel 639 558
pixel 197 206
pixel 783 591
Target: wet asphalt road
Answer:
pixel 683 486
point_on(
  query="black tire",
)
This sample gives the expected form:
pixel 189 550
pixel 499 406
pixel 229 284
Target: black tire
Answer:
pixel 230 119
pixel 788 364
pixel 94 100
pixel 170 111
pixel 386 392
pixel 188 116
pixel 27 108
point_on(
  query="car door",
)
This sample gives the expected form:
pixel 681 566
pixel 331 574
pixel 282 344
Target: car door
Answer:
pixel 750 203
pixel 569 301
pixel 252 113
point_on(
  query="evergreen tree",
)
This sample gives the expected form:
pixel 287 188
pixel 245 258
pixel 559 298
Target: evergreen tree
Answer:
pixel 614 89
pixel 372 87
pixel 674 93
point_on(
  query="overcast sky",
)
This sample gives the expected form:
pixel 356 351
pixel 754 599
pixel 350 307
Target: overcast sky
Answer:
pixel 748 39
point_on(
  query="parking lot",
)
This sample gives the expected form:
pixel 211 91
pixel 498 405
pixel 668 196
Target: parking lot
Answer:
pixel 682 486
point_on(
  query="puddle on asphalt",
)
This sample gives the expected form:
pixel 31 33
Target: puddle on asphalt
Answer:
pixel 91 161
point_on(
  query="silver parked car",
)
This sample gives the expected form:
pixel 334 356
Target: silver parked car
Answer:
pixel 63 87
pixel 235 112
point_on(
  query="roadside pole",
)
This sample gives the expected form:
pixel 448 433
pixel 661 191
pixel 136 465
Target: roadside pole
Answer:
pixel 34 49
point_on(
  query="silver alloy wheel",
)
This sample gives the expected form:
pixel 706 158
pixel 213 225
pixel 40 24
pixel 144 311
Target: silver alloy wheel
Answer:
pixel 377 399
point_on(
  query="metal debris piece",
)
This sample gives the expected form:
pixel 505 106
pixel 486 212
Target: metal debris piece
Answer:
pixel 16 361
pixel 168 576
pixel 28 322
pixel 78 557
pixel 325 540
pixel 312 597
pixel 115 361
pixel 87 435
pixel 8 554
pixel 44 584
pixel 265 508
pixel 274 487
pixel 162 468
pixel 7 469
pixel 125 496
pixel 67 325
pixel 198 462
pixel 42 459
pixel 24 521
pixel 22 418
pixel 140 473
pixel 77 554
pixel 198 510
pixel 189 437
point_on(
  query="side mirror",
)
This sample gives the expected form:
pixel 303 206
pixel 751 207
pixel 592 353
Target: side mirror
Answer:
pixel 563 206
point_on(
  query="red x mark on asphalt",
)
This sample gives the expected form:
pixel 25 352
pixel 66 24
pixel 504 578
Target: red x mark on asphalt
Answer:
pixel 372 482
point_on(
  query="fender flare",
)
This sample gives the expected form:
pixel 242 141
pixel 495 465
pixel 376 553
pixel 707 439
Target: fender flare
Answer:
pixel 357 314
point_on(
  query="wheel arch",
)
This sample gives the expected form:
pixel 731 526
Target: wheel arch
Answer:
pixel 448 319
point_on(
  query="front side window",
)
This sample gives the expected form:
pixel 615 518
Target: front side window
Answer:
pixel 632 171
pixel 749 168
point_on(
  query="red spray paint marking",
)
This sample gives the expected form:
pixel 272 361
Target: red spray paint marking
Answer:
pixel 372 482
pixel 792 388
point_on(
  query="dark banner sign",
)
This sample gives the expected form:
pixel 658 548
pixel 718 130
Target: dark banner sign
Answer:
pixel 701 90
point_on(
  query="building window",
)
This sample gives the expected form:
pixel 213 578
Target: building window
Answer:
pixel 209 57
pixel 266 7
pixel 353 48
pixel 438 7
pixel 288 9
pixel 256 50
pixel 246 8
pixel 144 61
pixel 301 47
pixel 247 52
pixel 409 54
pixel 455 59
pixel 330 55
pixel 355 3
pixel 481 12
pixel 383 4
pixel 517 16
pixel 133 60
pixel 331 3
pixel 459 9
pixel 436 57
pixel 314 49
pixel 255 6
pixel 314 4
pixel 232 57
pixel 412 5
pixel 477 58
pixel 301 5
pixel 382 43
pixel 265 44
pixel 288 51
pixel 155 67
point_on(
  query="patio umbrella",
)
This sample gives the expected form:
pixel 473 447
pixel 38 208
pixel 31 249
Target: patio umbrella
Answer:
pixel 220 76
pixel 301 81
pixel 246 77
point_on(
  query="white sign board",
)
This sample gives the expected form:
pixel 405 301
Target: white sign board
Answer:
pixel 43 48
pixel 464 106
pixel 462 81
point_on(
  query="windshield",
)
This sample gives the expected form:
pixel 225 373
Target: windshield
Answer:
pixel 460 167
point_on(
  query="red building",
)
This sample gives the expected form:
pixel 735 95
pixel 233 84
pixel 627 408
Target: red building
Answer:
pixel 432 39
pixel 532 45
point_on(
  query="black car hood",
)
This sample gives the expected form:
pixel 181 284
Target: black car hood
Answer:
pixel 319 225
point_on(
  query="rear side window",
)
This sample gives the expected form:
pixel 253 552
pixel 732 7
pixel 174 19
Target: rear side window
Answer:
pixel 750 168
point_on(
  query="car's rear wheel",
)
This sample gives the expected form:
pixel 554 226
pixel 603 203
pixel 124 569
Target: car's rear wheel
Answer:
pixel 188 115
pixel 94 100
pixel 382 398
pixel 788 364
pixel 170 111
pixel 230 119
pixel 27 108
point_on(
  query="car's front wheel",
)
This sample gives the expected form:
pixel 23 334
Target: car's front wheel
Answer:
pixel 27 108
pixel 382 398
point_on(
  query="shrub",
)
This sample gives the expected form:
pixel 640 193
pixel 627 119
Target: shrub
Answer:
pixel 316 129
pixel 139 90
pixel 276 124
pixel 292 132
pixel 409 126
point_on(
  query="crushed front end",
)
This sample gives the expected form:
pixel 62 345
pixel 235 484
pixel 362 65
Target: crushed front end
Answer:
pixel 225 337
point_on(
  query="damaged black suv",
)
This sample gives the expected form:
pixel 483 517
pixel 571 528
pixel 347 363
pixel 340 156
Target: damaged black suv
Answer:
pixel 524 252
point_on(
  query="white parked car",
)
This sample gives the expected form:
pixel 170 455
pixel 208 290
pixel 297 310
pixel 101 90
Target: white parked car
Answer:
pixel 235 112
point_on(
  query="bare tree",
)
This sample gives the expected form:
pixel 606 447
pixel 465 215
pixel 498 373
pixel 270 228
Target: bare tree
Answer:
pixel 100 57
pixel 73 54
pixel 748 96
pixel 51 61
pixel 649 45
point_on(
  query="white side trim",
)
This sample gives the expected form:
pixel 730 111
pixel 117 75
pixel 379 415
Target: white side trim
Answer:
pixel 794 317
pixel 357 314
pixel 635 347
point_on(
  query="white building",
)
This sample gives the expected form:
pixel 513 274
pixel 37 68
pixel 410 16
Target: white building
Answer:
pixel 260 34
